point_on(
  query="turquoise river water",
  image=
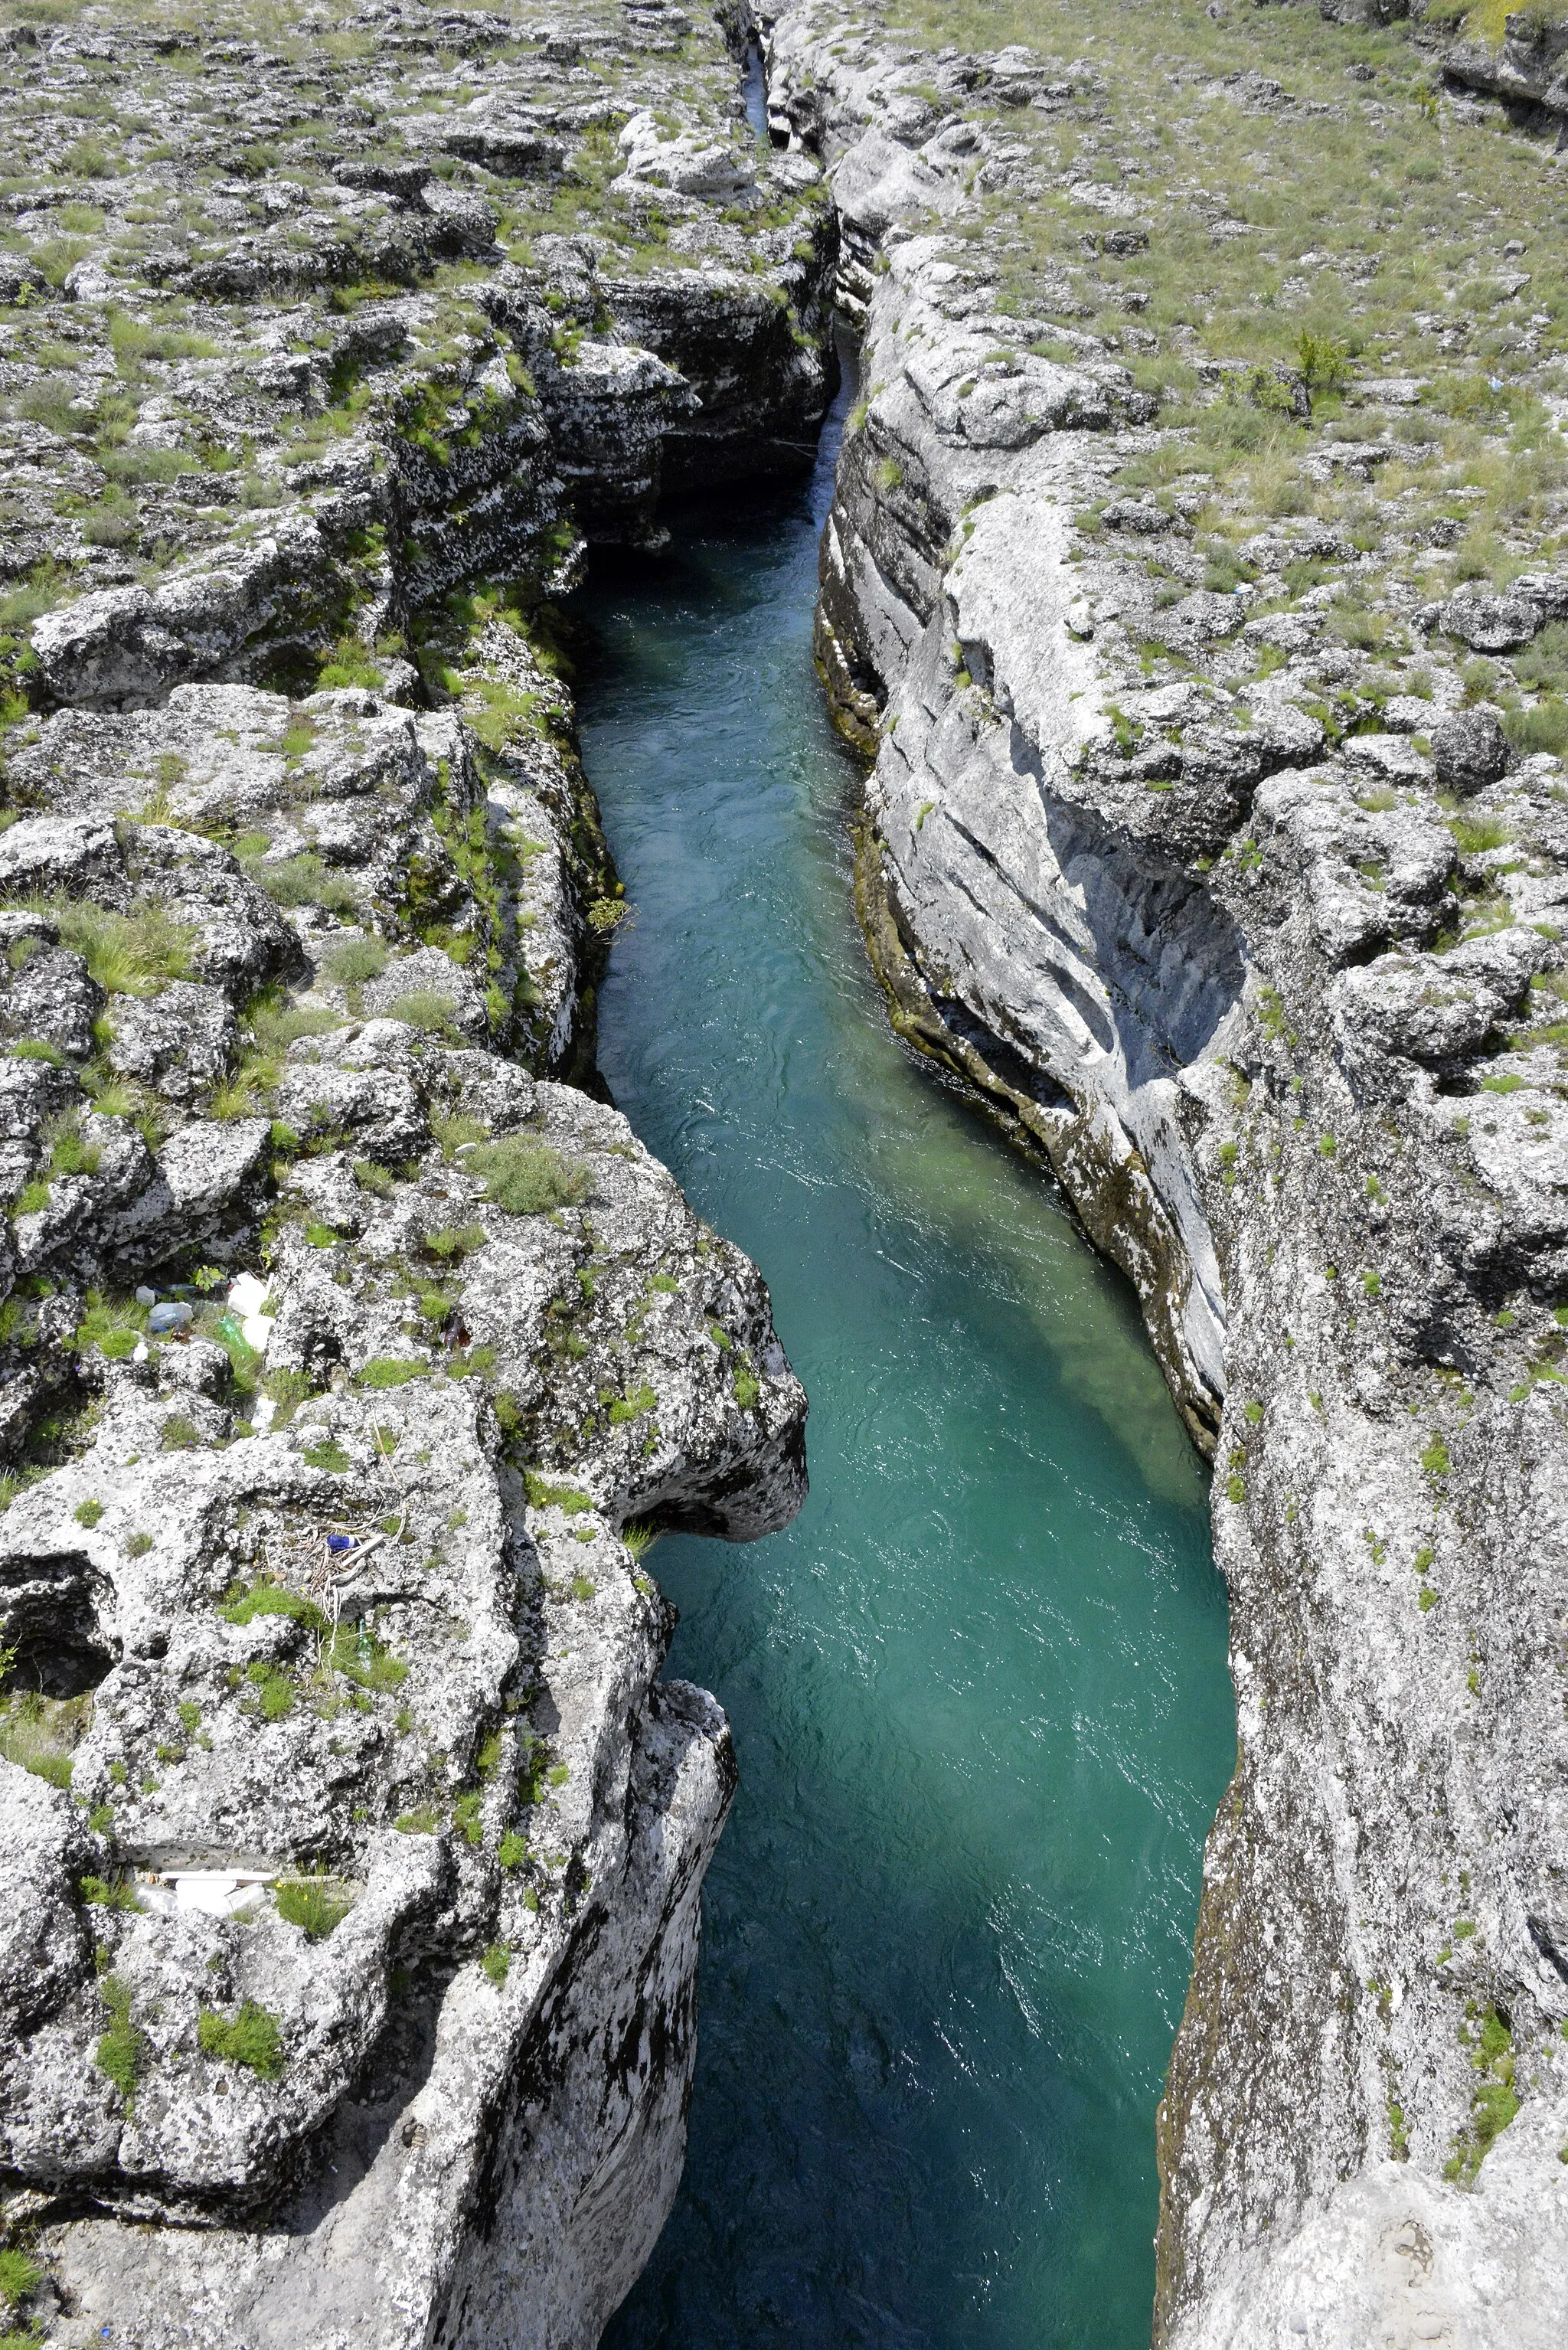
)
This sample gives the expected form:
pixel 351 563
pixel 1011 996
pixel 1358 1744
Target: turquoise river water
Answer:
pixel 978 1689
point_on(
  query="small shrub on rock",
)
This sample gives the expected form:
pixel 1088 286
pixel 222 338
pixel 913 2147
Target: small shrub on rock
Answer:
pixel 114 1328
pixel 423 1008
pixel 70 1153
pixel 455 1242
pixel 354 960
pixel 366 1660
pixel 303 882
pixel 526 1178
pixel 329 1454
pixel 274 1690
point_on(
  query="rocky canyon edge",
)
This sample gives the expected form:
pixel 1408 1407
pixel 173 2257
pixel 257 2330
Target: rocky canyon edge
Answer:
pixel 354 1351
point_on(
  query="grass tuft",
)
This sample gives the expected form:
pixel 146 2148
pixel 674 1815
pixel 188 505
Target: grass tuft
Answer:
pixel 250 2038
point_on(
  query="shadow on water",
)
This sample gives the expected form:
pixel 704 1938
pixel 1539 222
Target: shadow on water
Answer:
pixel 978 1688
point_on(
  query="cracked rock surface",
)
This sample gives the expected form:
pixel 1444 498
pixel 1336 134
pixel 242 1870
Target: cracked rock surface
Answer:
pixel 350 1358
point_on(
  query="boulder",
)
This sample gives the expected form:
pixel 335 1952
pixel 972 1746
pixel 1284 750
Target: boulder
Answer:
pixel 1470 750
pixel 1491 624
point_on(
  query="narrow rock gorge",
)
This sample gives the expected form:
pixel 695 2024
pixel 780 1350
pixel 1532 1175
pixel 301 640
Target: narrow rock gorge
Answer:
pixel 1215 835
pixel 1195 586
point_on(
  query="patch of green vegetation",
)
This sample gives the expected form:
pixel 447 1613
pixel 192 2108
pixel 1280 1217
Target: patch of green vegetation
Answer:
pixel 393 1371
pixel 362 1657
pixel 503 716
pixel 543 1495
pixel 39 1733
pixel 250 2038
pixel 329 1454
pixel 20 2275
pixel 427 1009
pixel 105 1893
pixel 497 1963
pixel 351 961
pixel 115 1325
pixel 276 1026
pixel 1495 2100
pixel 135 953
pixel 315 1904
pixel 121 2051
pixel 423 1820
pixel 452 1133
pixel 527 1177
pixel 134 341
pixel 1474 834
pixel 452 1243
pixel 274 1690
pixel 272 1600
pixel 350 663
pixel 303 881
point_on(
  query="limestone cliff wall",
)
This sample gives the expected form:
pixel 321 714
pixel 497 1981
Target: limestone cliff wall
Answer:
pixel 350 1361
pixel 1225 971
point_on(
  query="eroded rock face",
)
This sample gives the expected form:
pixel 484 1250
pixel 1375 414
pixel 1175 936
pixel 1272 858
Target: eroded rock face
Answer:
pixel 1284 1014
pixel 443 338
pixel 325 1599
pixel 348 1359
pixel 1528 69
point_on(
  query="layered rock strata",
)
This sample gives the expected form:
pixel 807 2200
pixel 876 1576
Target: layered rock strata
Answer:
pixel 349 1360
pixel 1281 1000
pixel 1527 70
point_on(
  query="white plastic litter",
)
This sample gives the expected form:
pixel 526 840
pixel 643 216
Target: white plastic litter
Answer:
pixel 216 1892
pixel 247 1295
